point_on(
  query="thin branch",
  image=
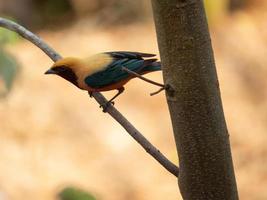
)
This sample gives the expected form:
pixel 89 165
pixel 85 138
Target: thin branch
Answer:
pixel 142 78
pixel 153 151
pixel 161 89
pixel 28 35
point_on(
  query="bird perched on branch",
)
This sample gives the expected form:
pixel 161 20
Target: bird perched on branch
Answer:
pixel 105 71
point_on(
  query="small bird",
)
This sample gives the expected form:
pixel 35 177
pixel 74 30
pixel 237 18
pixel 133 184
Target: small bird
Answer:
pixel 105 71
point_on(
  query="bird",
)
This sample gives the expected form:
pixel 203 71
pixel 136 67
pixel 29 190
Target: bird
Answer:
pixel 105 71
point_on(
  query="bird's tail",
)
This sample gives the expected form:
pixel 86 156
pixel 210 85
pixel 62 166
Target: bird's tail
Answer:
pixel 151 65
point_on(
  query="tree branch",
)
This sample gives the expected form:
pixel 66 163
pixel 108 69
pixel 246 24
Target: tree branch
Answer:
pixel 153 151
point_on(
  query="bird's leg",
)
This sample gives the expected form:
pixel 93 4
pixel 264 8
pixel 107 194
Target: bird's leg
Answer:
pixel 120 90
pixel 90 94
pixel 105 106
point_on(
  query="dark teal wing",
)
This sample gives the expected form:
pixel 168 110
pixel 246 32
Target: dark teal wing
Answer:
pixel 113 72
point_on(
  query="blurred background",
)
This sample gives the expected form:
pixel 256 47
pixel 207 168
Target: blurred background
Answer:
pixel 54 136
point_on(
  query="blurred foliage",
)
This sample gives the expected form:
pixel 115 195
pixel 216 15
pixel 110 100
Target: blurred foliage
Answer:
pixel 237 4
pixel 36 14
pixel 8 70
pixel 53 8
pixel 39 13
pixel 122 12
pixel 7 36
pixel 51 12
pixel 216 9
pixel 8 64
pixel 75 194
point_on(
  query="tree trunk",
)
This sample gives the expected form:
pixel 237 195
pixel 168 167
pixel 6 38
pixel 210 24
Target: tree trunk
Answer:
pixel 202 140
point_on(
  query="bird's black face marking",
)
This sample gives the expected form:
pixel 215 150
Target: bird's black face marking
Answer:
pixel 64 72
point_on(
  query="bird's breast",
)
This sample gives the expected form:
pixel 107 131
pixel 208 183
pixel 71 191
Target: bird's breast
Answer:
pixel 109 87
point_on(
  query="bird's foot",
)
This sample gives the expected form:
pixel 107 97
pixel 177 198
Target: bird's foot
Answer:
pixel 106 105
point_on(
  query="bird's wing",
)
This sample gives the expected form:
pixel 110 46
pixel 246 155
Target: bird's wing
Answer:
pixel 113 72
pixel 130 55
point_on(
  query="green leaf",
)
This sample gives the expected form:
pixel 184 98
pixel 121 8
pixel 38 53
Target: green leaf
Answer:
pixel 7 36
pixel 8 70
pixel 70 193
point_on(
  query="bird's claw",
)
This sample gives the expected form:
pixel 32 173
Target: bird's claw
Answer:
pixel 106 105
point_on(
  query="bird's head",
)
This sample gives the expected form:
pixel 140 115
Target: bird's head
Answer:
pixel 66 68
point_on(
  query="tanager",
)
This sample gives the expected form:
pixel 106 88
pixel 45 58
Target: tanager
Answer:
pixel 104 71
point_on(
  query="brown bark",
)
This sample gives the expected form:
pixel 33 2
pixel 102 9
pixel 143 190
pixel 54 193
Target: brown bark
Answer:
pixel 202 140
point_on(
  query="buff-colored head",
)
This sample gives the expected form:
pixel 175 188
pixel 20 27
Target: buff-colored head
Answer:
pixel 76 70
pixel 66 68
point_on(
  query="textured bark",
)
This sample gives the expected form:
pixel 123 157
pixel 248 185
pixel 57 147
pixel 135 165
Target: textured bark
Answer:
pixel 202 140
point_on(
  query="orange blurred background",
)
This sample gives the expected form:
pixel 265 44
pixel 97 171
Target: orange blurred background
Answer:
pixel 53 135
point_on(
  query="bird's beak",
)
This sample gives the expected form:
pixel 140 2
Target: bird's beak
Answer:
pixel 50 71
